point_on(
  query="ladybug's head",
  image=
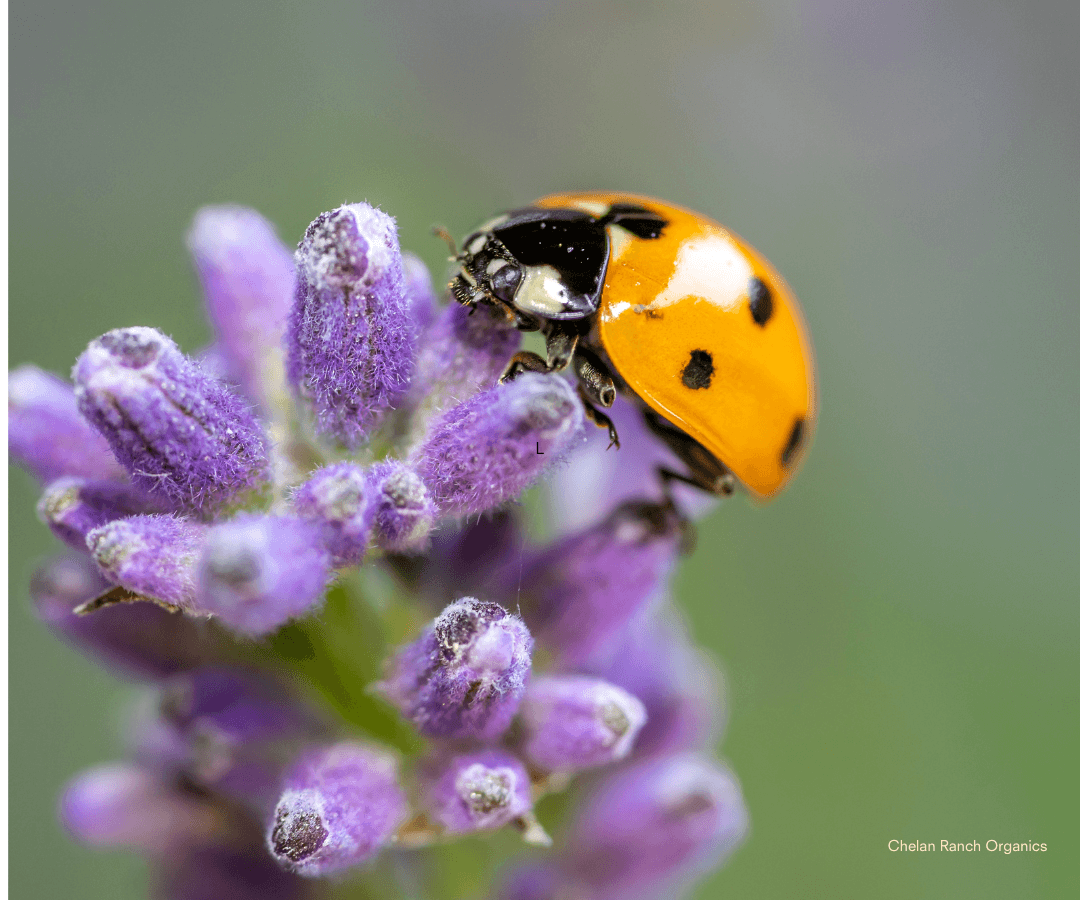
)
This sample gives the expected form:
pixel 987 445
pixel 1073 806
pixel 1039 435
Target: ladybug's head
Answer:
pixel 488 271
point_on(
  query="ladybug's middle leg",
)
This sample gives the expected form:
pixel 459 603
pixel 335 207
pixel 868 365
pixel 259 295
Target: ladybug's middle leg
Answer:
pixel 596 387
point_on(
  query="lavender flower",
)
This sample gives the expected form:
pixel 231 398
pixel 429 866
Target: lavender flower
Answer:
pixel 73 507
pixel 152 556
pixel 289 564
pixel 490 448
pixel 573 722
pixel 404 509
pixel 46 433
pixel 257 572
pixel 338 499
pixel 249 280
pixel 476 791
pixel 137 639
pixel 652 827
pixel 179 433
pixel 340 806
pixel 585 589
pixel 465 675
pixel 350 340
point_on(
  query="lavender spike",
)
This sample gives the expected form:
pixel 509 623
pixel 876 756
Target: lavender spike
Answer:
pixel 181 434
pixel 350 338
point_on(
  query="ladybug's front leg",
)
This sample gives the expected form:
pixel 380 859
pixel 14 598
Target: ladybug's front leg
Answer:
pixel 561 345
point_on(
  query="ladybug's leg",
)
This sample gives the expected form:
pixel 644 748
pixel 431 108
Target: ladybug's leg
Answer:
pixel 598 418
pixel 561 344
pixel 706 473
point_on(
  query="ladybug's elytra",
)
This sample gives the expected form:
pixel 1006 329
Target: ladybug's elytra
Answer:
pixel 668 306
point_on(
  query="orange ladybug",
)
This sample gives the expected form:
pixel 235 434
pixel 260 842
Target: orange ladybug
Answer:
pixel 668 306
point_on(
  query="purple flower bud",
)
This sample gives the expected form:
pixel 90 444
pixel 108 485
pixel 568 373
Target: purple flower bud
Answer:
pixel 249 281
pixel 180 433
pixel 583 590
pixel 490 448
pixel 463 352
pixel 339 806
pixel 153 556
pixel 228 873
pixel 257 572
pixel 48 436
pixel 73 507
pixel 419 292
pixel 139 639
pixel 223 730
pixel 464 676
pixel 476 791
pixel 574 722
pixel 651 827
pixel 350 340
pixel 338 500
pixel 121 805
pixel 680 686
pixel 404 510
pixel 468 559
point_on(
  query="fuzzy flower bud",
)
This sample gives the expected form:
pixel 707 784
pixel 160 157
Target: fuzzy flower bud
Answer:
pixel 649 828
pixel 180 434
pixel 248 278
pixel 465 675
pixel 73 507
pixel 419 291
pixel 350 338
pixel 48 436
pixel 257 572
pixel 465 351
pixel 138 639
pixel 574 722
pixel 490 448
pixel 339 806
pixel 153 556
pixel 476 791
pixel 583 590
pixel 338 500
pixel 404 510
pixel 122 805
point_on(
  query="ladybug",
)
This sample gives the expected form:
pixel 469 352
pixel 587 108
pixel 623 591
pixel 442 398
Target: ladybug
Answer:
pixel 667 306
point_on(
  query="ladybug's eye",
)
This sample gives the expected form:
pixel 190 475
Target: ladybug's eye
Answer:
pixel 505 280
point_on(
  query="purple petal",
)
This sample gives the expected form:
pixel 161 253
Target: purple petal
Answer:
pixel 122 805
pixel 258 572
pixel 338 500
pixel 419 292
pixel 463 352
pixel 475 791
pixel 350 338
pixel 491 448
pixel 574 722
pixel 404 510
pixel 138 639
pixel 73 507
pixel 678 683
pixel 48 436
pixel 180 434
pixel 651 827
pixel 465 675
pixel 154 556
pixel 583 590
pixel 249 280
pixel 339 806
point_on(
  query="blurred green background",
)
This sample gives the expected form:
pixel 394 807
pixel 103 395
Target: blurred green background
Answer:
pixel 899 630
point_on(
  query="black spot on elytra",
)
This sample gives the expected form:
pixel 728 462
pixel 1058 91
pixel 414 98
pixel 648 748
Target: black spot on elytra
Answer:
pixel 697 373
pixel 794 441
pixel 760 301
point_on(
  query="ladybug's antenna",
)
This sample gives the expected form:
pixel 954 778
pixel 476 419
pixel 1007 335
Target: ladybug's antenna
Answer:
pixel 439 231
